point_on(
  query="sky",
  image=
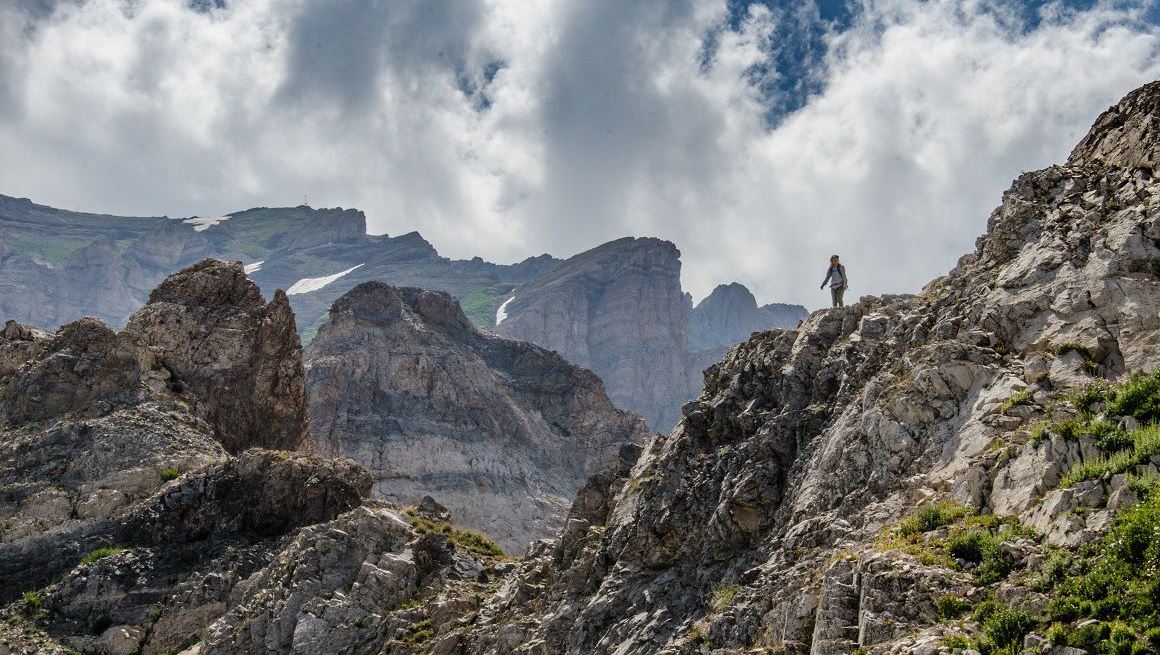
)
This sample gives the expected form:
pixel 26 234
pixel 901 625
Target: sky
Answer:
pixel 760 137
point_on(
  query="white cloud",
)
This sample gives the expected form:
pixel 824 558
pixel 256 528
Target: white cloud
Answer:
pixel 602 121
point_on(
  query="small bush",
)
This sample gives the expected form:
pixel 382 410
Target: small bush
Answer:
pixel 1145 444
pixel 1139 398
pixel 981 547
pixel 723 596
pixel 468 540
pixel 950 607
pixel 1018 398
pixel 100 553
pixel 931 517
pixel 170 474
pixel 955 640
pixel 1007 627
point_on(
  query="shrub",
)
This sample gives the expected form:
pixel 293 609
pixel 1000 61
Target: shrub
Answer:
pixel 1006 627
pixel 931 517
pixel 1145 444
pixel 1139 397
pixel 983 548
pixel 950 607
pixel 170 473
pixel 955 640
pixel 100 553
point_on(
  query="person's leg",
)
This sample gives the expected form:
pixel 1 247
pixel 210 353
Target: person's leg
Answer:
pixel 834 297
pixel 841 293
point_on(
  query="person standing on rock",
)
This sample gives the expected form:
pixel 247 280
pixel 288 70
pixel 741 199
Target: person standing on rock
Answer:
pixel 836 276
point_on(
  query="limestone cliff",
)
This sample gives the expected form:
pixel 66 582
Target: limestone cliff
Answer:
pixel 503 433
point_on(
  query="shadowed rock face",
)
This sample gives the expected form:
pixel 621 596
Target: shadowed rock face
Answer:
pixel 209 329
pixel 502 433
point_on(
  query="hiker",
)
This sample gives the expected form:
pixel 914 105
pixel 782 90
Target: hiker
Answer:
pixel 836 276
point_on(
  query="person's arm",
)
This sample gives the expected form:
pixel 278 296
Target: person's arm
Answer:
pixel 845 280
pixel 829 272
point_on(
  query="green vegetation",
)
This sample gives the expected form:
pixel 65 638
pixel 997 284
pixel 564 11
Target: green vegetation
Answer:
pixel 1138 448
pixel 1018 398
pixel 931 518
pixel 480 305
pixel 171 473
pixel 956 640
pixel 419 632
pixel 951 607
pixel 1117 586
pixel 723 596
pixel 100 553
pixel 1072 346
pixel 1003 628
pixel 972 538
pixel 34 605
pixel 472 542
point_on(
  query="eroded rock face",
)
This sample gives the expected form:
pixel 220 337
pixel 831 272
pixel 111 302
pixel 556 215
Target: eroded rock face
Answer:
pixel 502 433
pixel 210 330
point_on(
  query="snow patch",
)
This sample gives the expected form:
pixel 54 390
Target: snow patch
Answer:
pixel 253 268
pixel 203 223
pixel 308 284
pixel 501 313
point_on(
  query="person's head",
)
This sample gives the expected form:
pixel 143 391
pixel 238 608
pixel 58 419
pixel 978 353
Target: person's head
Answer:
pixel 833 260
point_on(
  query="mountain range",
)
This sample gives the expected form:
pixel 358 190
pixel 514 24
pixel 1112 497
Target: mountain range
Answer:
pixel 57 266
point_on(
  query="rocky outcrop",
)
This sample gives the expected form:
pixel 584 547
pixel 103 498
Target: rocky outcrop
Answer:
pixel 501 432
pixel 730 314
pixel 127 527
pixel 208 330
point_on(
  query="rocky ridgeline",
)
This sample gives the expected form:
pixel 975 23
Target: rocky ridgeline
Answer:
pixel 502 432
pixel 150 500
pixel 912 474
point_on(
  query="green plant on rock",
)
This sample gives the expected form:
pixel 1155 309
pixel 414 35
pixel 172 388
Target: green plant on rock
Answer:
pixel 1116 594
pixel 468 540
pixel 171 473
pixel 955 640
pixel 951 607
pixel 931 517
pixel 1139 398
pixel 1071 346
pixel 101 553
pixel 1018 398
pixel 723 596
pixel 1145 443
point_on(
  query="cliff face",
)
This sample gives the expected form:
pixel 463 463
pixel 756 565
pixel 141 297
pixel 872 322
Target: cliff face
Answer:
pixel 126 526
pixel 501 432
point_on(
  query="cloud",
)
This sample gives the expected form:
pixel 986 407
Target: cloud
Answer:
pixel 758 138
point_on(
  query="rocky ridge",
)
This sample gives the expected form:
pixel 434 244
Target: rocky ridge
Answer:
pixel 503 433
pixel 857 483
pixel 147 487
